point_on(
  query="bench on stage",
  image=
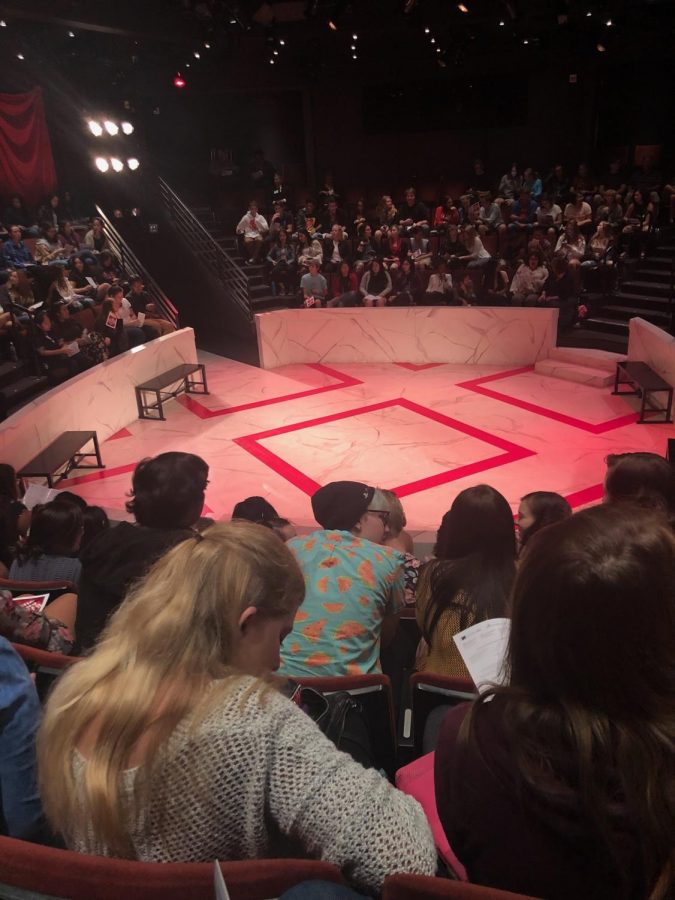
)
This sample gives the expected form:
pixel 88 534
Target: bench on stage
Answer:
pixel 165 387
pixel 63 453
pixel 644 382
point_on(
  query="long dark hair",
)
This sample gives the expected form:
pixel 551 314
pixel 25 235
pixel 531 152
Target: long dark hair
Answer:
pixel 168 491
pixel 475 566
pixel 55 529
pixel 547 507
pixel 8 484
pixel 590 706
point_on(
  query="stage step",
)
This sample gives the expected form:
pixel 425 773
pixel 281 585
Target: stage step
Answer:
pixel 661 319
pixel 600 323
pixel 555 368
pixel 603 360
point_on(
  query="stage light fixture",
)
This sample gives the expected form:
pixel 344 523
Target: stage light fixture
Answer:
pixel 427 30
pixel 332 25
pixel 353 47
pixel 20 56
pixel 282 42
pixel 197 55
pixel 526 41
pixel 95 128
pixel 102 164
pixel 3 24
pixel 207 46
pixel 609 23
pixel 275 52
pixel 116 163
pixel 438 49
pixel 133 163
pixel 178 81
pixel 127 128
pixel 589 14
pixel 111 127
pixel 354 56
pixel 433 40
pixel 355 37
pixel 71 34
pixel 501 22
pixel 600 48
pixel 271 62
pixel 462 7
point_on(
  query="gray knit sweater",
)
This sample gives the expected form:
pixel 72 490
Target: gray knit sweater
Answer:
pixel 261 780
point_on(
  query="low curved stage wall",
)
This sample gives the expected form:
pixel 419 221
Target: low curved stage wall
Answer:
pixel 651 344
pixel 498 336
pixel 101 399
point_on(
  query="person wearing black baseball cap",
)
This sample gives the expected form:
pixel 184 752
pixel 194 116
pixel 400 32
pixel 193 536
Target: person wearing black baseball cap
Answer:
pixel 355 587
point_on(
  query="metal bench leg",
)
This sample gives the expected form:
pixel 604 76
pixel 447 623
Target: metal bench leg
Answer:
pixel 97 450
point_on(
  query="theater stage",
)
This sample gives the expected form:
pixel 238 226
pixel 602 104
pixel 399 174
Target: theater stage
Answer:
pixel 427 431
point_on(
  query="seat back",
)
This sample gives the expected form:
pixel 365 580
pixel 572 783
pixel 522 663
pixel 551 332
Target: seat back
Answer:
pixel 427 691
pixel 76 876
pixel 419 887
pixel 44 665
pixel 374 694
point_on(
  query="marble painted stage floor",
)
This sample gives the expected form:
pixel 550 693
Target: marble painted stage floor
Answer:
pixel 427 431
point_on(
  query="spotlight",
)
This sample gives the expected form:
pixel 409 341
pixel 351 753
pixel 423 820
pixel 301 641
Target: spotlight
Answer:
pixel 462 7
pixel 135 212
pixel 589 14
pixel 526 41
pixel 187 65
pixel 95 128
pixel 271 62
pixel 427 30
pixel 102 164
pixel 197 55
pixel 433 40
pixel 438 49
pixel 178 81
pixel 20 56
pixel 3 24
pixel 116 163
pixel 207 46
pixel 355 37
pixel 282 42
pixel 354 56
pixel 127 128
pixel 111 127
pixel 353 47
pixel 133 163
pixel 332 25
pixel 609 23
pixel 71 34
pixel 600 48
pixel 501 22
pixel 275 52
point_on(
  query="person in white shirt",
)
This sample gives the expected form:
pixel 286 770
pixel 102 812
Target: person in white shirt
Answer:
pixel 439 288
pixel 529 280
pixel 579 212
pixel 253 227
pixel 549 216
pixel 489 216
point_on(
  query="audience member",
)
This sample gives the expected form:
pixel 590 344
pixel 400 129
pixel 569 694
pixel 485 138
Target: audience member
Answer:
pixel 255 509
pixel 406 285
pixel 51 546
pixel 201 633
pixel 510 184
pixel 529 281
pixel 344 287
pixel 399 539
pixel 253 227
pixel 143 305
pixel 313 286
pixel 375 285
pixel 60 359
pixel 21 809
pixel 16 252
pixel 560 784
pixel 537 510
pixel 281 259
pixel 96 239
pixel 95 521
pixel 167 498
pixel 335 249
pixel 48 248
pixel 355 588
pixel 439 287
pixel 412 213
pixel 308 250
pixel 395 248
pixel 14 517
pixel 471 577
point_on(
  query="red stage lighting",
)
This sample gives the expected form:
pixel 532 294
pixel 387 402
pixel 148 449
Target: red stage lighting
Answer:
pixel 179 81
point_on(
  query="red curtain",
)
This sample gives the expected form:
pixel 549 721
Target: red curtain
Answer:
pixel 26 161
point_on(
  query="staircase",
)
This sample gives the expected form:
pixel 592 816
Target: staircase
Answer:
pixel 646 289
pixel 260 294
pixel 596 368
pixel 17 386
pixel 216 248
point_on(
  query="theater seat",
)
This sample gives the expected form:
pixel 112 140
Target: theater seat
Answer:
pixel 374 694
pixel 419 887
pixel 62 873
pixel 45 666
pixel 427 691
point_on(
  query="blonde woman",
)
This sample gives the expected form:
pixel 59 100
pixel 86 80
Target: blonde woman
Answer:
pixel 169 742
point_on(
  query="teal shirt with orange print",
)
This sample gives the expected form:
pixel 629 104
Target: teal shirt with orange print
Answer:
pixel 351 584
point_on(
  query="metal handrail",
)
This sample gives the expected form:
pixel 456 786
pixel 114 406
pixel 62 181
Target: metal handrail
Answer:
pixel 207 249
pixel 132 266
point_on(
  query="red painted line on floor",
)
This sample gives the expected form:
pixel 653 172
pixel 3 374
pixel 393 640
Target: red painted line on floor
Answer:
pixel 511 452
pixel 122 433
pixel 477 386
pixel 203 412
pixel 415 367
pixel 586 495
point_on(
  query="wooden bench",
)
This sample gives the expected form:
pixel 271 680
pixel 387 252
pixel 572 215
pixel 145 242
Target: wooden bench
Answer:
pixel 644 382
pixel 177 381
pixel 65 451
